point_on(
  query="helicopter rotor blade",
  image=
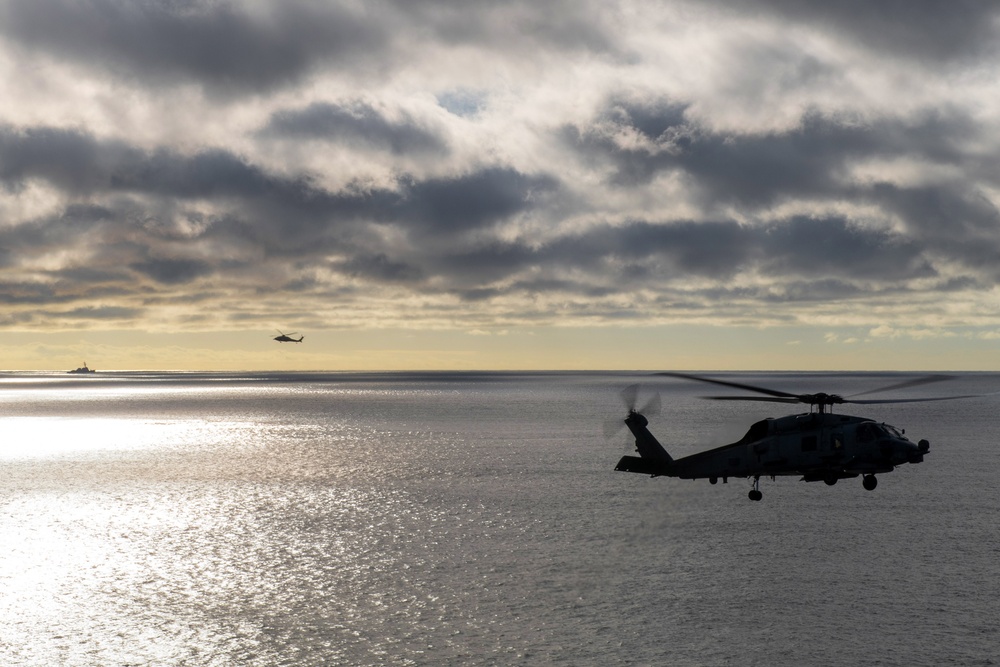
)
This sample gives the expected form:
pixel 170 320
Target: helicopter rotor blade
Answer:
pixel 906 384
pixel 629 395
pixel 762 399
pixel 775 396
pixel 734 385
pixel 612 427
pixel 652 406
pixel 877 401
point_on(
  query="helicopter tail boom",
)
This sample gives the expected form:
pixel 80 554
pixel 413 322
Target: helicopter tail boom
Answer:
pixel 653 459
pixel 641 465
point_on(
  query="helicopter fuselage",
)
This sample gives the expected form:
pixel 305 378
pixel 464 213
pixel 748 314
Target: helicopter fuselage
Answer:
pixel 816 446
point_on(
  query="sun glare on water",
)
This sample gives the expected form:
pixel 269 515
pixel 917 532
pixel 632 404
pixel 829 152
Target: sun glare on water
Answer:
pixel 48 437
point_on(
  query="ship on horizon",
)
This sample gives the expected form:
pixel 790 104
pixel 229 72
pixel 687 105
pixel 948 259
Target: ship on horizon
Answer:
pixel 82 369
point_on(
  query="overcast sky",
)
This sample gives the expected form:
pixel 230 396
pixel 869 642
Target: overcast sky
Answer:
pixel 811 176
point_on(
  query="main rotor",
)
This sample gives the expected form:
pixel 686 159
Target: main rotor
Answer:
pixel 821 400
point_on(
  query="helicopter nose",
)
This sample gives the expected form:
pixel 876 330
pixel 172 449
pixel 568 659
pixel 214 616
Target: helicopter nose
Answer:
pixel 916 453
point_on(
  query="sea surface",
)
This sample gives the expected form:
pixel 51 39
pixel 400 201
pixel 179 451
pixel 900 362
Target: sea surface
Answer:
pixel 475 519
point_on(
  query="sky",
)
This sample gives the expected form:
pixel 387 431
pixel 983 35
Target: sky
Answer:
pixel 426 184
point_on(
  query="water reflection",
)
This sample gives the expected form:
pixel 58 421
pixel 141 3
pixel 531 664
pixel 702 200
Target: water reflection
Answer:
pixel 386 522
pixel 233 574
pixel 46 437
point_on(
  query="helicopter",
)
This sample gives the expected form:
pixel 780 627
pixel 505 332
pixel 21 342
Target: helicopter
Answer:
pixel 287 338
pixel 818 445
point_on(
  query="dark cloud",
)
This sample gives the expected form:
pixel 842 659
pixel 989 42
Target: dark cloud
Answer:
pixel 953 220
pixel 946 219
pixel 714 249
pixel 662 121
pixel 798 247
pixel 922 29
pixel 151 223
pixel 356 123
pixel 80 164
pixel 103 313
pixel 829 253
pixel 281 218
pixel 560 25
pixel 820 248
pixel 473 200
pixel 224 46
pixel 71 160
pixel 380 269
pixel 31 293
pixel 759 170
pixel 482 264
pixel 239 48
pixel 173 271
pixel 706 173
pixel 749 170
pixel 212 174
pixel 942 210
pixel 128 213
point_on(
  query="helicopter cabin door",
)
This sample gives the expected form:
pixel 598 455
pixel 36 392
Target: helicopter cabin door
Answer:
pixel 834 445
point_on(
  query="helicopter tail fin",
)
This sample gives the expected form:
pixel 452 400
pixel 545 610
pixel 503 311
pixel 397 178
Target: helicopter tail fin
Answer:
pixel 653 459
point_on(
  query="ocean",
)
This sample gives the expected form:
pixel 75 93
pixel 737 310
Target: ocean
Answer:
pixel 476 519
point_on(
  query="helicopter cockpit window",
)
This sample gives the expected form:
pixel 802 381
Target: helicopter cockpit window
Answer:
pixel 880 431
pixel 891 431
pixel 757 431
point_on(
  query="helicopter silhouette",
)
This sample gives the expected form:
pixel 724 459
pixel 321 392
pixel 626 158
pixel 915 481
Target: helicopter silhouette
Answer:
pixel 818 445
pixel 287 338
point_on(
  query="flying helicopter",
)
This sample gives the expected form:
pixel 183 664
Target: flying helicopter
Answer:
pixel 818 445
pixel 287 338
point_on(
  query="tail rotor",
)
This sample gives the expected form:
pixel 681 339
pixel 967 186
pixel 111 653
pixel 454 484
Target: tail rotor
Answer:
pixel 630 397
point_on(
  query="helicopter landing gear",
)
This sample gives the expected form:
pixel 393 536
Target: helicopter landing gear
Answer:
pixel 869 482
pixel 755 493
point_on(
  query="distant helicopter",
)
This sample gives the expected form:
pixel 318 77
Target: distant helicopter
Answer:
pixel 287 338
pixel 818 445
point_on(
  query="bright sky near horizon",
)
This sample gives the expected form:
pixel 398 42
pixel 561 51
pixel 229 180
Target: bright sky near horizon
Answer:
pixel 424 184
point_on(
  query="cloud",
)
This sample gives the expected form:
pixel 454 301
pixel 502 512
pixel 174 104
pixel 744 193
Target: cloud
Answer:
pixel 70 160
pixel 920 29
pixel 224 47
pixel 379 268
pixel 355 123
pixel 501 162
pixel 470 201
pixel 758 170
pixel 172 271
pixel 104 313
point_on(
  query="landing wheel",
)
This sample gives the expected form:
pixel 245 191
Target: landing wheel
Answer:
pixel 830 481
pixel 869 482
pixel 755 494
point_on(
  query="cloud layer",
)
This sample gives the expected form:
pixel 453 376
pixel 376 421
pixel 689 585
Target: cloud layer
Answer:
pixel 208 165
